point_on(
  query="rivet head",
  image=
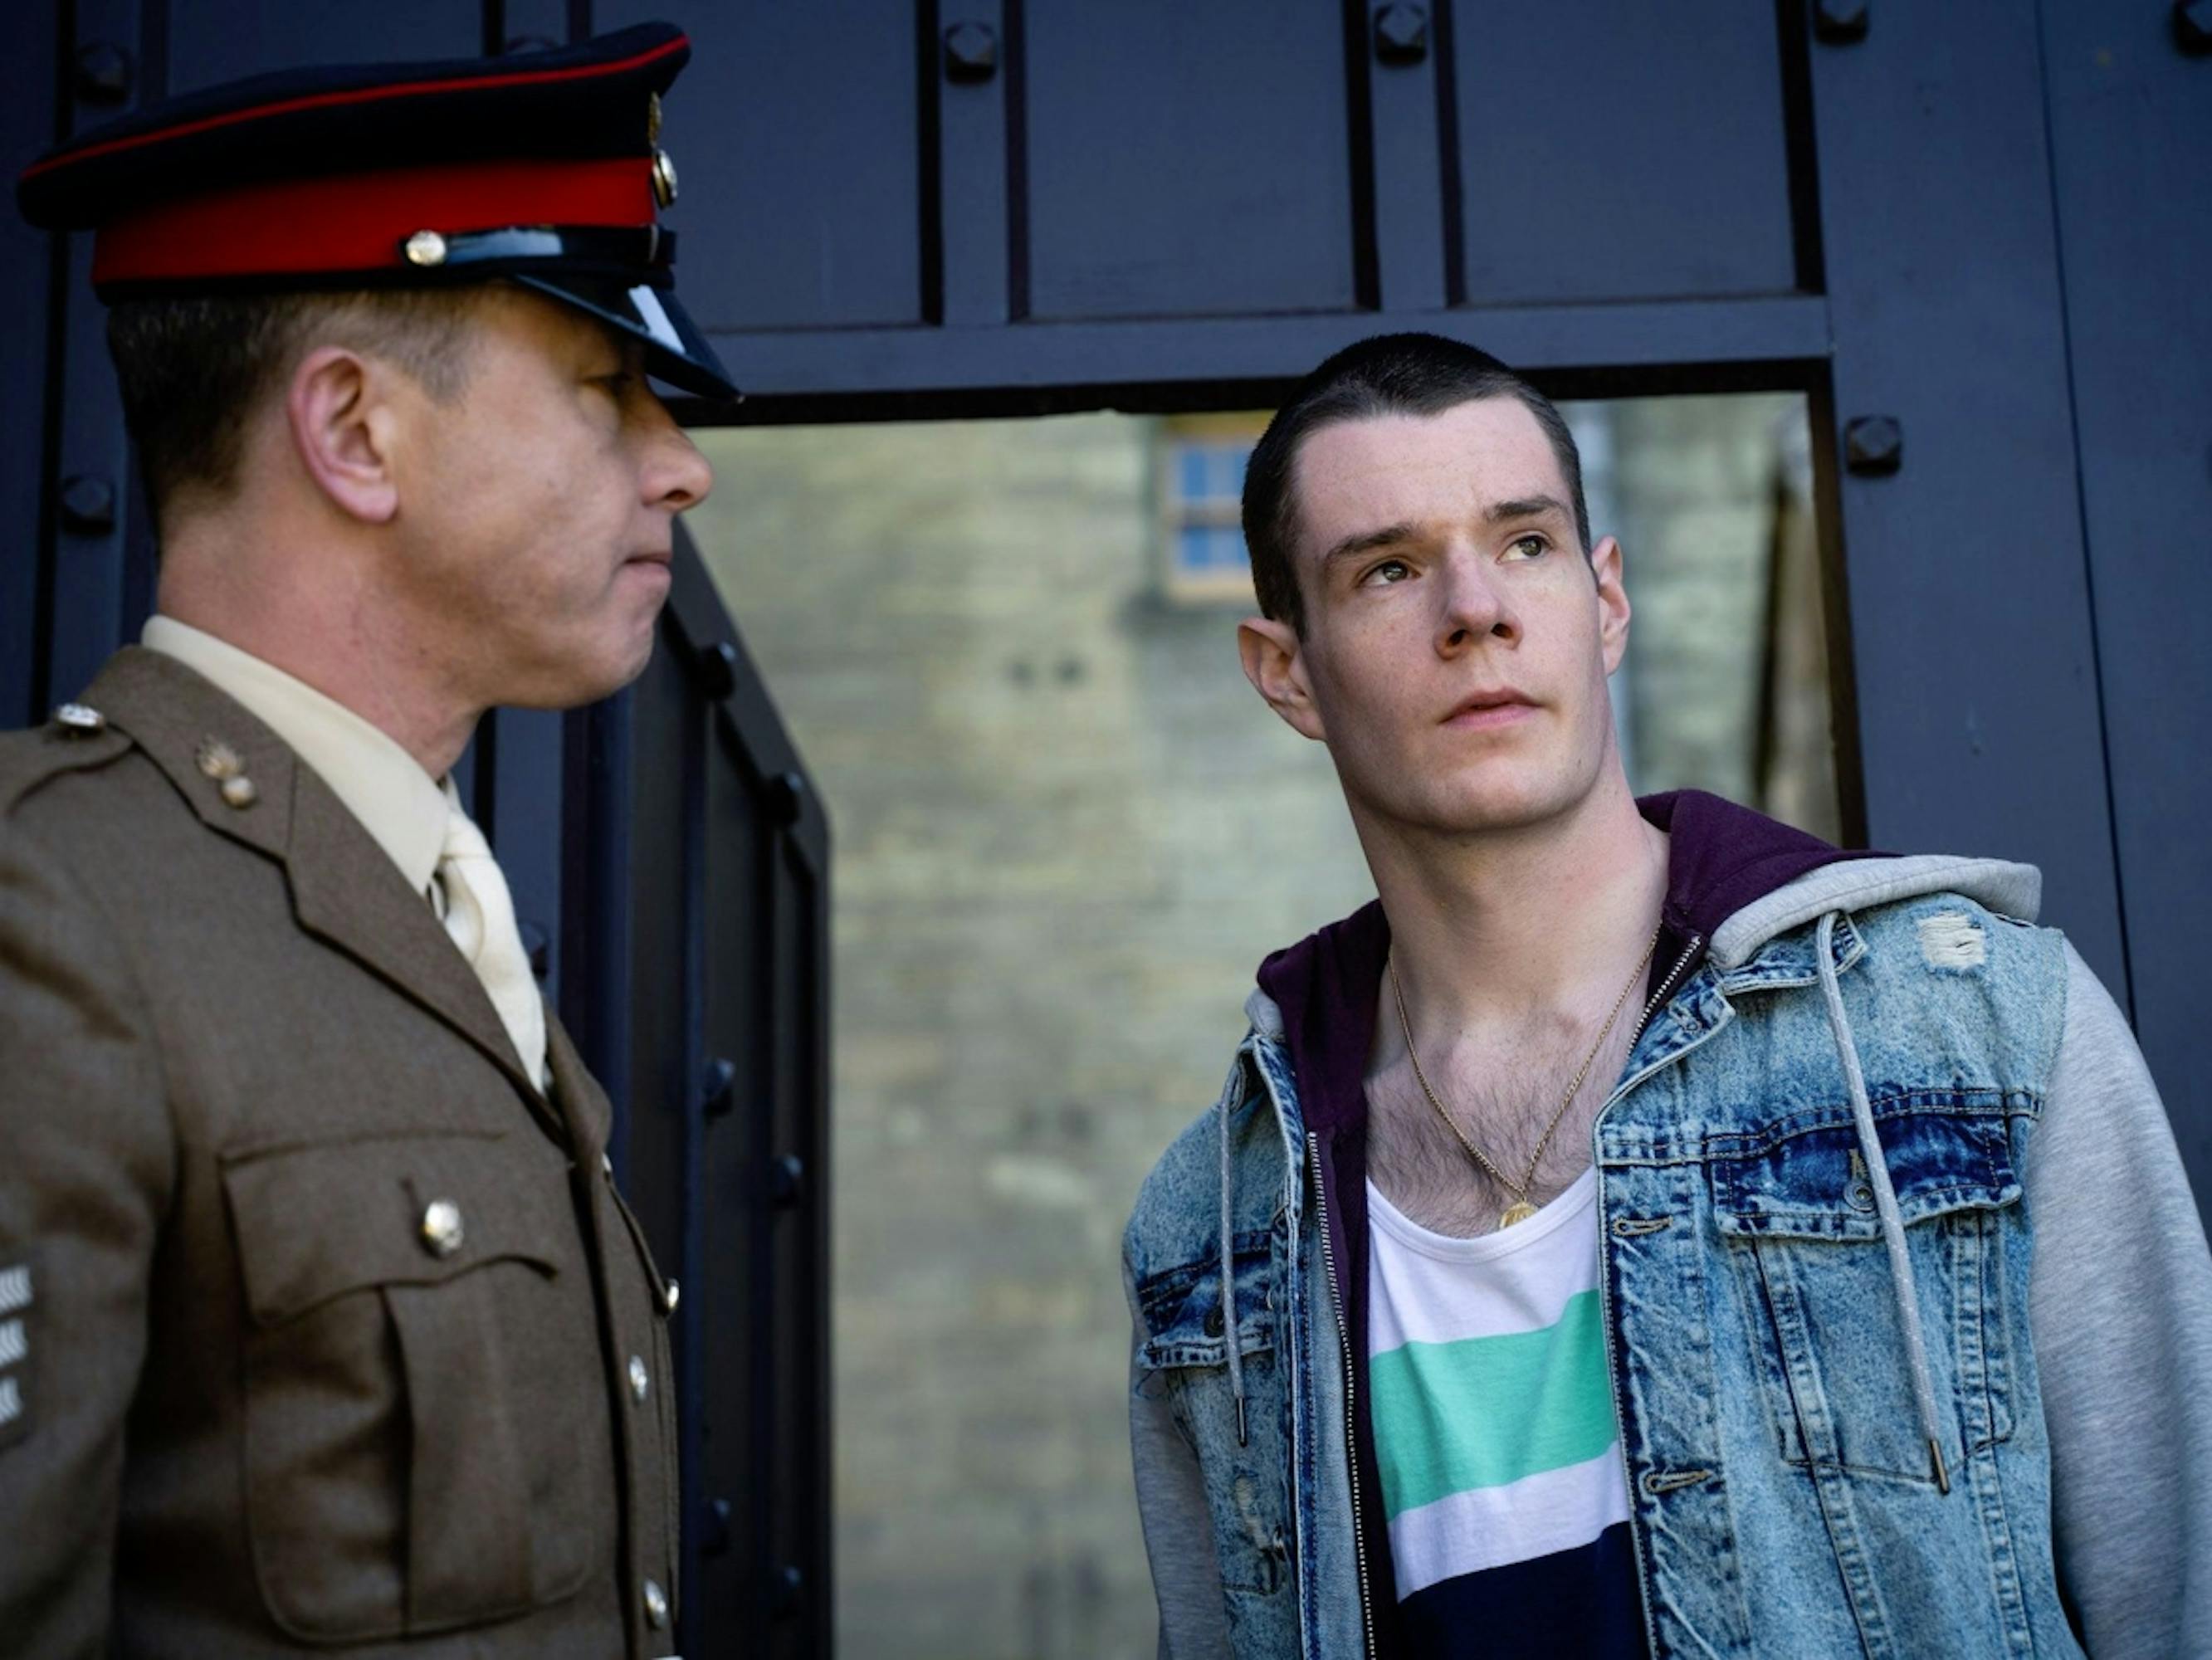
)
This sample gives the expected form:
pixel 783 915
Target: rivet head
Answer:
pixel 668 1296
pixel 442 1233
pixel 1402 34
pixel 1873 445
pixel 218 759
pixel 971 52
pixel 240 791
pixel 640 1380
pixel 80 719
pixel 656 1605
pixel 1839 22
pixel 664 178
pixel 425 247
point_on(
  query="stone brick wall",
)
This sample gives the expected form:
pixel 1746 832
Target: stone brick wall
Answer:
pixel 1066 832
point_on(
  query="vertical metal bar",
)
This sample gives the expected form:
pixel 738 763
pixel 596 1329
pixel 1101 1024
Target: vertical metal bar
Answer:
pixel 1407 187
pixel 816 1510
pixel 1360 129
pixel 598 930
pixel 85 588
pixel 972 151
pixel 525 766
pixel 698 716
pixel 31 94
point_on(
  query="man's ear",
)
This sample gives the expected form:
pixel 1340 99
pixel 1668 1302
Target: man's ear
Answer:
pixel 341 429
pixel 1613 611
pixel 1274 662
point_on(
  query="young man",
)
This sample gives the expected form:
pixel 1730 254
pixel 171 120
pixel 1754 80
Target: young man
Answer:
pixel 1646 1229
pixel 322 1326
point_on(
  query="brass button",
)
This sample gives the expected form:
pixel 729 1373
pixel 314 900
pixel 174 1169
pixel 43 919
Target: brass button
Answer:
pixel 656 1605
pixel 640 1381
pixel 442 1233
pixel 607 1162
pixel 80 719
pixel 240 791
pixel 425 247
pixel 669 1296
pixel 664 178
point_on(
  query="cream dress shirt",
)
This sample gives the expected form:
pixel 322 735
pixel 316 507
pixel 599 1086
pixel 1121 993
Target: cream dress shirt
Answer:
pixel 401 807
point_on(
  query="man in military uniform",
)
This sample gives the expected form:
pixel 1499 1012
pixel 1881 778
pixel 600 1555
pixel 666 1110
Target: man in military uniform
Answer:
pixel 322 1325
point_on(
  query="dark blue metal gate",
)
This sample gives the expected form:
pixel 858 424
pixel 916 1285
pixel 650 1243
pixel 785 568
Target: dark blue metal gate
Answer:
pixel 1975 234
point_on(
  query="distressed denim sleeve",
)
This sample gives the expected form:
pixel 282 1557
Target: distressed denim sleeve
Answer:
pixel 1171 1503
pixel 2120 1302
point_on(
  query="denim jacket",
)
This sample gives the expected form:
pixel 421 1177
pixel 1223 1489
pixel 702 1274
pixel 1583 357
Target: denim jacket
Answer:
pixel 1889 1380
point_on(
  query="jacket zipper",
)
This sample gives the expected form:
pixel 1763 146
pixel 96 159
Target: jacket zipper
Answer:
pixel 1350 1393
pixel 1605 1267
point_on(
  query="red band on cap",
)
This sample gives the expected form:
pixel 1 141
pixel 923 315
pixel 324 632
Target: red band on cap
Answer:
pixel 357 222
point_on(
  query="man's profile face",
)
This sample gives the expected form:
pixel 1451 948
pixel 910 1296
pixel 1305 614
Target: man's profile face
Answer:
pixel 538 507
pixel 1457 641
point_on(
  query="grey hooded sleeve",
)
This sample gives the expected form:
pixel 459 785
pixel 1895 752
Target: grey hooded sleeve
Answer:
pixel 1171 1502
pixel 2120 1300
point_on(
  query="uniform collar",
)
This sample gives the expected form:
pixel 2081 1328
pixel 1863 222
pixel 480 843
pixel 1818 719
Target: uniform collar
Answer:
pixel 399 804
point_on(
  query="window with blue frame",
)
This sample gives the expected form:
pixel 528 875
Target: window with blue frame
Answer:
pixel 1202 476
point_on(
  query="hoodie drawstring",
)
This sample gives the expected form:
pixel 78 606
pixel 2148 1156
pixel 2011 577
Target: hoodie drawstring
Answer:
pixel 1885 1199
pixel 1228 1275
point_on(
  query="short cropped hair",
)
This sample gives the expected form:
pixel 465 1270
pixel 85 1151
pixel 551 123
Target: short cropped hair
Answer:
pixel 1387 375
pixel 194 368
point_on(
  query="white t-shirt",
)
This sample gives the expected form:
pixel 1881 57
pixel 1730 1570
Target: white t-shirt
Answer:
pixel 1495 1433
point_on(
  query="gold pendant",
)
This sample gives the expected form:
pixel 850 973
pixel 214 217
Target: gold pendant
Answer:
pixel 1519 1210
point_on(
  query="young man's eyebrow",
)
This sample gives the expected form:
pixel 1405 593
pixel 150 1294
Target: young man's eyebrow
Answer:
pixel 1367 541
pixel 1527 507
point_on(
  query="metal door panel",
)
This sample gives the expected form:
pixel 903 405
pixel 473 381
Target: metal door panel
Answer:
pixel 209 44
pixel 1976 670
pixel 793 131
pixel 2131 126
pixel 1602 158
pixel 1187 158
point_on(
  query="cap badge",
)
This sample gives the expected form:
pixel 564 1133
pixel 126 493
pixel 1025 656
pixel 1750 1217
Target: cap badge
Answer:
pixel 664 178
pixel 653 118
pixel 425 247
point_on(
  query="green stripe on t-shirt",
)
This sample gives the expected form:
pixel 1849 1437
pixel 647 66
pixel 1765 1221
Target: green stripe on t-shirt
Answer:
pixel 1485 1411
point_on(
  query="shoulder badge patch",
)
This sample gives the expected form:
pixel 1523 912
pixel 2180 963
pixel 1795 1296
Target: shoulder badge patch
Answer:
pixel 15 1351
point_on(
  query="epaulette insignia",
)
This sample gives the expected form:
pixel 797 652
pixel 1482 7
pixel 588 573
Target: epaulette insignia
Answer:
pixel 15 1351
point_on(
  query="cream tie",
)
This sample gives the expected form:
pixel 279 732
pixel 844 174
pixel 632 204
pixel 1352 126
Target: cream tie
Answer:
pixel 480 917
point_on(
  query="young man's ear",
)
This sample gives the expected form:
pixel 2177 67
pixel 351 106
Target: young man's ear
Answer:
pixel 342 429
pixel 1613 611
pixel 1274 662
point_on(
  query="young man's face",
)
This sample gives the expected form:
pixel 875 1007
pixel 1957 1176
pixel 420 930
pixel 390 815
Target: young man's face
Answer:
pixel 538 506
pixel 1457 642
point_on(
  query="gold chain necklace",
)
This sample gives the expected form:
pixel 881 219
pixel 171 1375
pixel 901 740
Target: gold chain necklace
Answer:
pixel 1520 1209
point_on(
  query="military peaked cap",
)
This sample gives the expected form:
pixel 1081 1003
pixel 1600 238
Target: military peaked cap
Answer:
pixel 545 170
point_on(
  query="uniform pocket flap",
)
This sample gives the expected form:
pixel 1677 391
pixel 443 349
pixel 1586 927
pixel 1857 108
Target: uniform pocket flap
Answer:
pixel 1182 1309
pixel 1809 1180
pixel 314 1223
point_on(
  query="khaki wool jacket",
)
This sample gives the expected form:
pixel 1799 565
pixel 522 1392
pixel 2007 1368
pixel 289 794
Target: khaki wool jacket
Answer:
pixel 324 1330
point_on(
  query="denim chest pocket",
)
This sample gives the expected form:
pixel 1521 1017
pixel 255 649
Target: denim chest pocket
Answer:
pixel 1185 1354
pixel 1797 1210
